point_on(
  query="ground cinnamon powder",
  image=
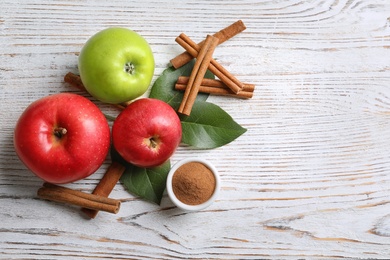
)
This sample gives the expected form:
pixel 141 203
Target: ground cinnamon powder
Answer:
pixel 193 183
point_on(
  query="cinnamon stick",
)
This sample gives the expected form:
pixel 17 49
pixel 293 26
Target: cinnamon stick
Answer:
pixel 202 63
pixel 223 35
pixel 78 198
pixel 216 87
pixel 224 75
pixel 75 81
pixel 106 185
pixel 215 83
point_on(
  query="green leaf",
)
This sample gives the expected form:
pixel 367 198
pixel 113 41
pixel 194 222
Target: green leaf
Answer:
pixel 209 126
pixel 147 183
pixel 164 86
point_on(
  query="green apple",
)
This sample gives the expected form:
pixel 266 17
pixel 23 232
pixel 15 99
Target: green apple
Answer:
pixel 116 65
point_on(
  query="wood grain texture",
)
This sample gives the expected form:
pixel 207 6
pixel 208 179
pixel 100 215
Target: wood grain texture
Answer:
pixel 309 180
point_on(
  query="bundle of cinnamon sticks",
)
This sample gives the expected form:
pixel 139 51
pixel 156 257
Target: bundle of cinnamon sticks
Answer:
pixel 227 84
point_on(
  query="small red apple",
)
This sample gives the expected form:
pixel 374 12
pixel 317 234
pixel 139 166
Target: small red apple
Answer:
pixel 147 132
pixel 62 138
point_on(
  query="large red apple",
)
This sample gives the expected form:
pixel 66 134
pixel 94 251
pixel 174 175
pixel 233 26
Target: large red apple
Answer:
pixel 147 132
pixel 62 138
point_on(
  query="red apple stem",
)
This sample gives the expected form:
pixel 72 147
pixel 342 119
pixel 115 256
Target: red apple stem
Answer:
pixel 153 142
pixel 60 132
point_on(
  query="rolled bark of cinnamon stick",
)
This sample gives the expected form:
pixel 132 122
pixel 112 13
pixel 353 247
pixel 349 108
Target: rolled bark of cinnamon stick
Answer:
pixel 75 81
pixel 215 83
pixel 216 87
pixel 106 185
pixel 223 35
pixel 224 75
pixel 202 63
pixel 65 195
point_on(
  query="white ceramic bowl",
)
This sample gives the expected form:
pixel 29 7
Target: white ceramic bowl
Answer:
pixel 182 205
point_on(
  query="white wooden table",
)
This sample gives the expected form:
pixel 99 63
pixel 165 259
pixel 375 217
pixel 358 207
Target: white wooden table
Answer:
pixel 309 180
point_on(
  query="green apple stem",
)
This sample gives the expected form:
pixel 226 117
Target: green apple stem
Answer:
pixel 59 132
pixel 130 68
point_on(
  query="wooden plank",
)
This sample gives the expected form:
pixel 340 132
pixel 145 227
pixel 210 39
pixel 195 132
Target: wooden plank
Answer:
pixel 309 179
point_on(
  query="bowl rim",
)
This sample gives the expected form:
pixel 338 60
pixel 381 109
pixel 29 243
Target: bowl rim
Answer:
pixel 203 205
